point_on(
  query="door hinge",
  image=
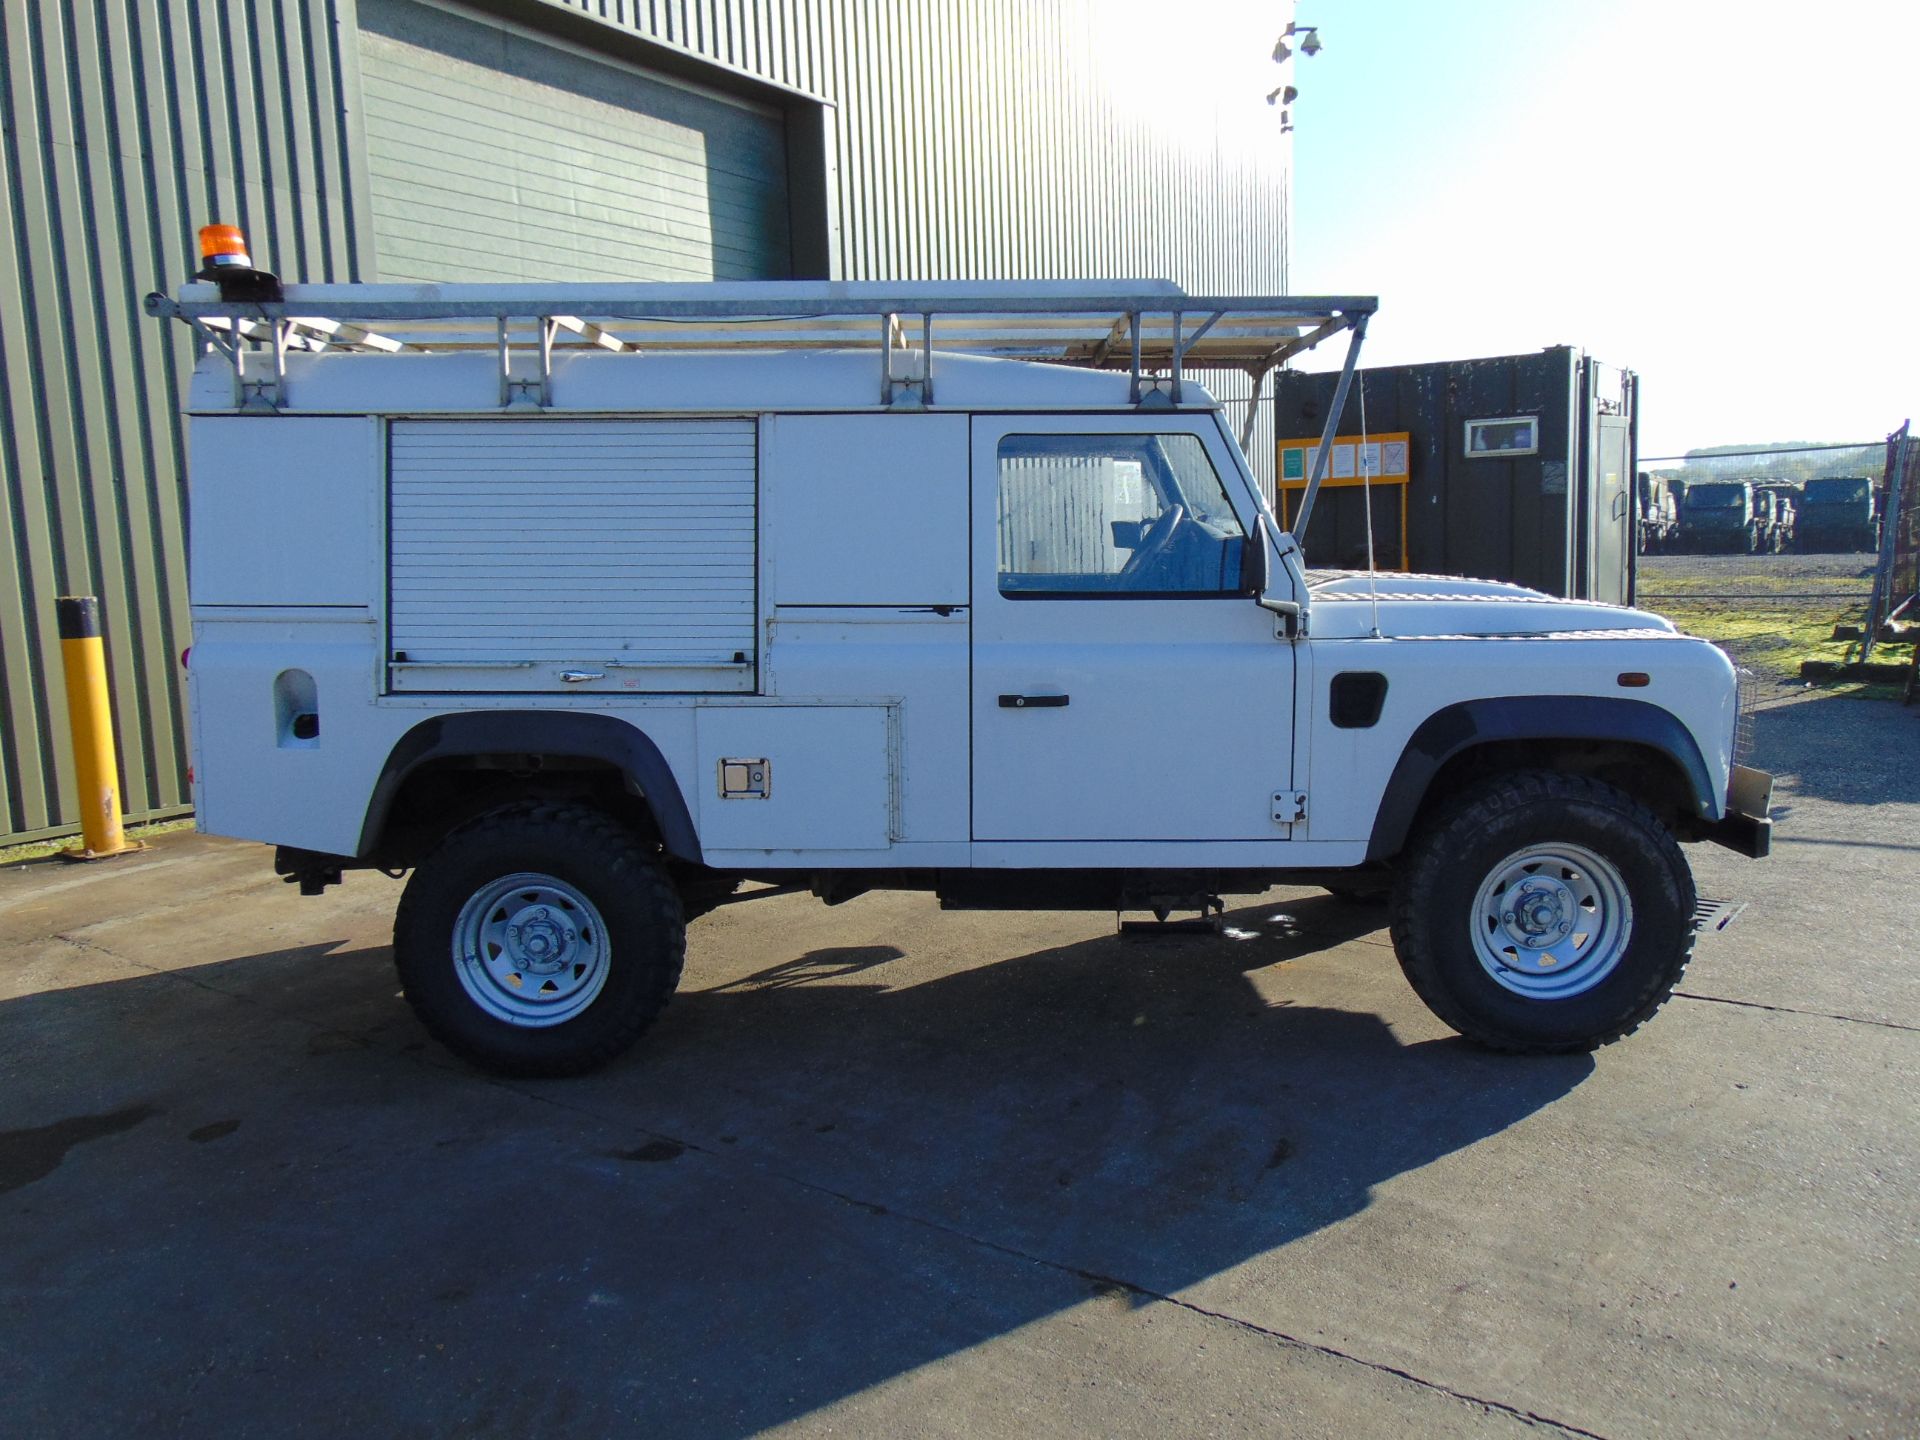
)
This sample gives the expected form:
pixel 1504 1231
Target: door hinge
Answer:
pixel 1289 807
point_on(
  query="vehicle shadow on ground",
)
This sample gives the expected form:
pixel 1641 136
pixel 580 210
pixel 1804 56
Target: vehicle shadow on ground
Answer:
pixel 1840 748
pixel 804 1184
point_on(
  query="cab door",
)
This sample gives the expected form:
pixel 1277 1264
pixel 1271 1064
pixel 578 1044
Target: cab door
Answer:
pixel 1125 685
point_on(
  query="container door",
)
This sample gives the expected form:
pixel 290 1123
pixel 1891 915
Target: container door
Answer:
pixel 1612 517
pixel 1123 686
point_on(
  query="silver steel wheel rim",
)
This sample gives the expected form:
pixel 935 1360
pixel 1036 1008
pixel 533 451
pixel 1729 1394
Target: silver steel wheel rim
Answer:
pixel 531 950
pixel 1551 921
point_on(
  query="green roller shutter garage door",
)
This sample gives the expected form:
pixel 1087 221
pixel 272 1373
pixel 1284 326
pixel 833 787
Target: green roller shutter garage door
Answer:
pixel 495 155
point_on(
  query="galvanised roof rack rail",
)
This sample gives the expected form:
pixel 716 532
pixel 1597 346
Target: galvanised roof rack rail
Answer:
pixel 1145 327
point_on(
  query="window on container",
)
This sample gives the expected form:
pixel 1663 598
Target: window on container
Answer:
pixel 1114 515
pixel 1504 438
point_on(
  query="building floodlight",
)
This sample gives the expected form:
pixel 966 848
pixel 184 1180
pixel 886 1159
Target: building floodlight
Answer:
pixel 1283 52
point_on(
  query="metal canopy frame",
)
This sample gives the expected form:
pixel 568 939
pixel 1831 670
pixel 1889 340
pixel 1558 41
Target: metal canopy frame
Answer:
pixel 1149 328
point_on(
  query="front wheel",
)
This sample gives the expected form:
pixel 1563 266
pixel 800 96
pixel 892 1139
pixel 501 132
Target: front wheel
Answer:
pixel 1543 912
pixel 539 940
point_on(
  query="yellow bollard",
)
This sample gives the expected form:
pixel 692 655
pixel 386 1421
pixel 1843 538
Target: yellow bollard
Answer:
pixel 83 656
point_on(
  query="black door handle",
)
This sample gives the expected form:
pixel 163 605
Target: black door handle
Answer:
pixel 1032 702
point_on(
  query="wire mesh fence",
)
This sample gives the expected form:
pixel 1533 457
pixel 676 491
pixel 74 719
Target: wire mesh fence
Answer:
pixel 1905 571
pixel 1794 557
pixel 1771 551
pixel 1794 498
pixel 1897 574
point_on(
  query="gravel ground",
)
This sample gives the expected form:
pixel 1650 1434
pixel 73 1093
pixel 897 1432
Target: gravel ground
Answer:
pixel 1755 574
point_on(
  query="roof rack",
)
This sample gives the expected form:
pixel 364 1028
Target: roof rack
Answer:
pixel 1141 326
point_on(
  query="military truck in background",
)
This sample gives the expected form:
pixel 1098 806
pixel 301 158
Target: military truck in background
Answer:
pixel 1784 495
pixel 1837 514
pixel 1774 516
pixel 1721 517
pixel 1657 513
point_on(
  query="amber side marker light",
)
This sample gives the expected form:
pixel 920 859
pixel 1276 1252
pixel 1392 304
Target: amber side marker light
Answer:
pixel 1634 679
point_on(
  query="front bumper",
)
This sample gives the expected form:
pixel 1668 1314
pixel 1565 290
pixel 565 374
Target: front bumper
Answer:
pixel 1746 827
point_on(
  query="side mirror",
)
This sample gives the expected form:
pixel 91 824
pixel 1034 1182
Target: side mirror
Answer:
pixel 1255 557
pixel 1253 560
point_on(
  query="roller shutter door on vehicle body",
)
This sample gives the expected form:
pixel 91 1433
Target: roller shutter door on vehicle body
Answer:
pixel 496 156
pixel 572 555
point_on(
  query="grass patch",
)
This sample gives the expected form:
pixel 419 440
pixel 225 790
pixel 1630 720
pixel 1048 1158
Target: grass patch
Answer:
pixel 40 849
pixel 1773 638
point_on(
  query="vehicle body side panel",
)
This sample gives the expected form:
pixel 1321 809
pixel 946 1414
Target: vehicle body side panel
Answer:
pixel 284 510
pixel 912 660
pixel 253 780
pixel 864 509
pixel 826 778
pixel 1351 769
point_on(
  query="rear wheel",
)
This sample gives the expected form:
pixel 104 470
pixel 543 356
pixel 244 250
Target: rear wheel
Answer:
pixel 1544 912
pixel 539 940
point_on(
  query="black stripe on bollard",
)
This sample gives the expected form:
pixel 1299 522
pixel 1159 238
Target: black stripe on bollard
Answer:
pixel 79 617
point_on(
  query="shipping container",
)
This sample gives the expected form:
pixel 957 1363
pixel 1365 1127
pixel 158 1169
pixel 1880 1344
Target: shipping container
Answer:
pixel 1517 467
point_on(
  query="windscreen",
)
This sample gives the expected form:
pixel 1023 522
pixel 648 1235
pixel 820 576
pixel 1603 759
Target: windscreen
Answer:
pixel 1837 491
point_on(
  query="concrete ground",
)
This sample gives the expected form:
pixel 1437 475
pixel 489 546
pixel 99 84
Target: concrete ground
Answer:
pixel 883 1171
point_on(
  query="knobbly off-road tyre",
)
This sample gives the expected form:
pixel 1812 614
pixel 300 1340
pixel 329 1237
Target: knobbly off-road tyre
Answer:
pixel 1604 861
pixel 539 940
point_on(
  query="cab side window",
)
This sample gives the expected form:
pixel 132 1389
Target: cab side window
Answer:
pixel 1127 516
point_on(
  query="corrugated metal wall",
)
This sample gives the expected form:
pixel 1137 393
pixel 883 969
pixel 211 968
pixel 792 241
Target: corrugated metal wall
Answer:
pixel 1006 139
pixel 1017 139
pixel 973 138
pixel 127 124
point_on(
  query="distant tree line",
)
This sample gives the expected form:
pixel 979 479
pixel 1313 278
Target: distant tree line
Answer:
pixel 1713 462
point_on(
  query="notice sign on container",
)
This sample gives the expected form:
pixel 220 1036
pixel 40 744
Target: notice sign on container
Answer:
pixel 1377 460
pixel 1380 457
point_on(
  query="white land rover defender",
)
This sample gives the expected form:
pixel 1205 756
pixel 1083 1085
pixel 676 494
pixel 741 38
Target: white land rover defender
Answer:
pixel 585 604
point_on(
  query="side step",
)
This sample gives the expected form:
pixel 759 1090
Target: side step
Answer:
pixel 1207 922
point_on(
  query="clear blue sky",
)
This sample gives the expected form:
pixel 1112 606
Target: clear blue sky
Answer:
pixel 1720 196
